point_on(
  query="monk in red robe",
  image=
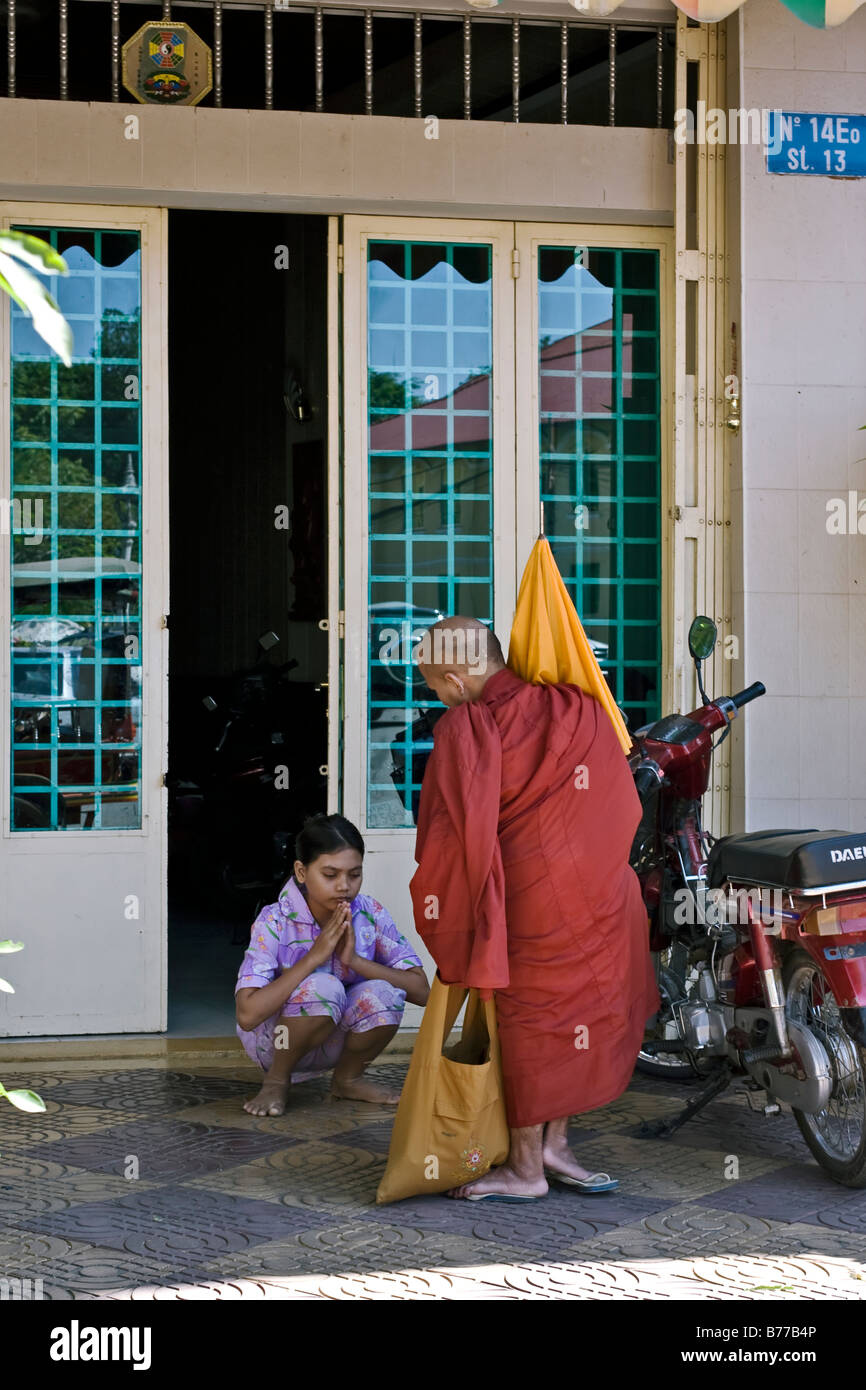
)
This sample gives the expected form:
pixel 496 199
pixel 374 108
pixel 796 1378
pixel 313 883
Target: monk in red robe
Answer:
pixel 523 890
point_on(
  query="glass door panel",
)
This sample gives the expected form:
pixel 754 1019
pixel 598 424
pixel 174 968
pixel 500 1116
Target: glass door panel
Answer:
pixel 430 494
pixel 76 549
pixel 599 450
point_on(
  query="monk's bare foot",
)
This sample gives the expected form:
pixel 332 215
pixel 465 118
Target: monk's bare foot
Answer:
pixel 502 1181
pixel 271 1099
pixel 558 1158
pixel 362 1088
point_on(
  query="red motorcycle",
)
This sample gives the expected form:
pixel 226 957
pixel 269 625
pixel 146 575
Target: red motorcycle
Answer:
pixel 759 942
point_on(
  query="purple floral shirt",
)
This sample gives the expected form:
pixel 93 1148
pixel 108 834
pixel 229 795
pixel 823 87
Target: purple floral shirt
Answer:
pixel 284 931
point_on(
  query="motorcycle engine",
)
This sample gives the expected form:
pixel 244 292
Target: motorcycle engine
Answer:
pixel 703 1026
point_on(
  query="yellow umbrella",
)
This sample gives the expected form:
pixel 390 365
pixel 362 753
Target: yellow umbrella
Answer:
pixel 548 644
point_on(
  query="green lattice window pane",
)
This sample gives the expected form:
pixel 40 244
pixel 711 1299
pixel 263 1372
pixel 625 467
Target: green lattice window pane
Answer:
pixel 76 547
pixel 600 443
pixel 430 354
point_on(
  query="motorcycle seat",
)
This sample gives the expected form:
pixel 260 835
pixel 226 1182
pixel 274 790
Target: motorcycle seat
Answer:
pixel 804 861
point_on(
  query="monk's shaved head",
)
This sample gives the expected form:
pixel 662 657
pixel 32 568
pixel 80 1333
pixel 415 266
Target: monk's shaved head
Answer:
pixel 456 656
pixel 460 644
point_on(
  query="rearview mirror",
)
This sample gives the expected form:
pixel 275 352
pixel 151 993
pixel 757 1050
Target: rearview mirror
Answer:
pixel 702 637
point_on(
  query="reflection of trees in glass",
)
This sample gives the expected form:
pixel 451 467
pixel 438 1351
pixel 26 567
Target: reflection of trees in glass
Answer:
pixel 76 382
pixel 119 335
pixel 31 378
pixel 397 394
pixel 385 391
pixel 77 511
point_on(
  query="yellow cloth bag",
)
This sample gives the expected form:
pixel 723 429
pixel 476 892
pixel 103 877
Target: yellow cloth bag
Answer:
pixel 450 1125
pixel 548 644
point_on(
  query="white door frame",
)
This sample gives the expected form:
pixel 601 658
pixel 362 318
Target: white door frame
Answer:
pixel 141 854
pixel 334 340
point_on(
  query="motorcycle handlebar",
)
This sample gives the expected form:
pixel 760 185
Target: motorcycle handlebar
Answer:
pixel 751 693
pixel 646 779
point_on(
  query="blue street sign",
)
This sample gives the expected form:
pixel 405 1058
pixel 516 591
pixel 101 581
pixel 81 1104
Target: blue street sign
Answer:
pixel 802 143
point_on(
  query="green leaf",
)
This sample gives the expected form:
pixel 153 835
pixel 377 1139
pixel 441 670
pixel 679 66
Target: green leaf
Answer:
pixel 6 987
pixel 48 321
pixel 7 289
pixel 7 946
pixel 26 1100
pixel 33 251
pixel 272 932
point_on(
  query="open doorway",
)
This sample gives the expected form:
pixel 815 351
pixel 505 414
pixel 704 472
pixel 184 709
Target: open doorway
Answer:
pixel 248 663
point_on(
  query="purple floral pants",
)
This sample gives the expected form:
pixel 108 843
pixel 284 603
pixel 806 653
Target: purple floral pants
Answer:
pixel 354 1008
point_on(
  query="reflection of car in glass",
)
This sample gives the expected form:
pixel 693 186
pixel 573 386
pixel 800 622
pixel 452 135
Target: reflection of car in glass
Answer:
pixel 600 652
pixel 395 629
pixel 56 702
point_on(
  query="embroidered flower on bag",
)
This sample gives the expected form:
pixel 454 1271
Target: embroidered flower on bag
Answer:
pixel 473 1162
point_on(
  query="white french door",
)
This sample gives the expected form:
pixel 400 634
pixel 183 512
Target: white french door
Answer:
pixel 490 368
pixel 83 646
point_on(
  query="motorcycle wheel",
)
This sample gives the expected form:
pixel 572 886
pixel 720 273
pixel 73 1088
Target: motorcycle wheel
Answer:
pixel 837 1134
pixel 676 983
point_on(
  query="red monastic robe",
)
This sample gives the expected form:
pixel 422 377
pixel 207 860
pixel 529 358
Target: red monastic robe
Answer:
pixel 523 887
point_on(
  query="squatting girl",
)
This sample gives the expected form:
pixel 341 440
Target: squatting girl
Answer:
pixel 327 974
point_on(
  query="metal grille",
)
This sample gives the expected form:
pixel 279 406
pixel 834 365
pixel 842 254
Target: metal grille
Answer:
pixel 76 553
pixel 360 61
pixel 600 454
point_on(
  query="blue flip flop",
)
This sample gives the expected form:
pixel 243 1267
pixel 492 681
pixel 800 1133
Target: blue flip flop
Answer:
pixel 598 1182
pixel 500 1197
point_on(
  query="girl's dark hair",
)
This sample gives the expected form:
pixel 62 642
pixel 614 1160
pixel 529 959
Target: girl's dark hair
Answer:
pixel 326 835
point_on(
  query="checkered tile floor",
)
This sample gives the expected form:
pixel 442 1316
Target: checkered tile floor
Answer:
pixel 151 1182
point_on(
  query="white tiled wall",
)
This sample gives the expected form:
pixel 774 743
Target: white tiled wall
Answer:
pixel 313 162
pixel 803 370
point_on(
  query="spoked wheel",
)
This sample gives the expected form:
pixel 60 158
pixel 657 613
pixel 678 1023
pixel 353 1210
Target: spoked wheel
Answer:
pixel 677 983
pixel 837 1134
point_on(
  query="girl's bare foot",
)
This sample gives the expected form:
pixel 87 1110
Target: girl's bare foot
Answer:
pixel 271 1099
pixel 502 1181
pixel 362 1088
